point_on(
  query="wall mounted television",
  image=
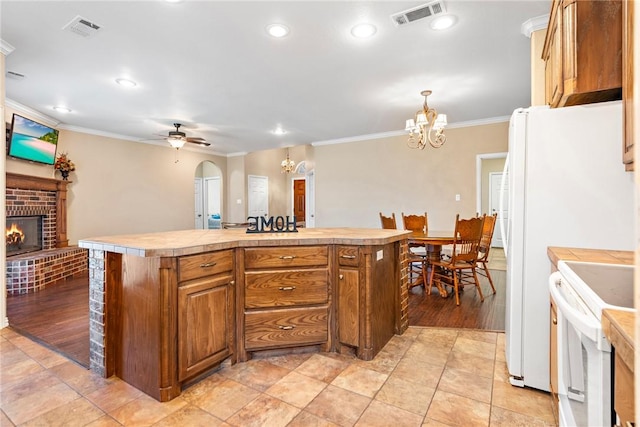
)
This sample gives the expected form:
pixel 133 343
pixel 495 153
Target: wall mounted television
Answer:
pixel 30 140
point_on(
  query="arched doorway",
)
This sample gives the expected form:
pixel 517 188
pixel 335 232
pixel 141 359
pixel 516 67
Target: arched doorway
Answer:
pixel 209 195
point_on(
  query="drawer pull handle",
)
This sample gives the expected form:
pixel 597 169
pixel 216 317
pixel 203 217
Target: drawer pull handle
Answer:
pixel 287 328
pixel 287 288
pixel 341 276
pixel 348 256
pixel 207 265
pixel 287 256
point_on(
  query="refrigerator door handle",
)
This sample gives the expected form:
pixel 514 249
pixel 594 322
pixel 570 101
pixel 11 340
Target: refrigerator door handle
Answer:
pixel 503 232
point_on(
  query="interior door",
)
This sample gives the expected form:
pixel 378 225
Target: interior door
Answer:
pixel 258 195
pixel 199 215
pixel 495 183
pixel 310 199
pixel 299 199
pixel 213 196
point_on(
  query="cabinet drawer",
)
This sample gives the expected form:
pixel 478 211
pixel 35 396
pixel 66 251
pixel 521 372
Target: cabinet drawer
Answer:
pixel 348 255
pixel 287 256
pixel 285 288
pixel 287 327
pixel 207 264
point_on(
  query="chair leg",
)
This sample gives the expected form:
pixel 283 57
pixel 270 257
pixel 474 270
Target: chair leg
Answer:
pixel 455 287
pixel 486 270
pixel 475 277
pixel 430 284
pixel 425 282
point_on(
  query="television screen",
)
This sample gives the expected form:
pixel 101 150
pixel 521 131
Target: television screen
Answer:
pixel 32 141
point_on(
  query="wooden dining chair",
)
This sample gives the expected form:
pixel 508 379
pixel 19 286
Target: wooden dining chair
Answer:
pixel 415 222
pixel 418 250
pixel 460 270
pixel 388 222
pixel 485 246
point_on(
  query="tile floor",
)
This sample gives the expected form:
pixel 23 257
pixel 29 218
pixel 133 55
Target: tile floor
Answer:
pixel 426 377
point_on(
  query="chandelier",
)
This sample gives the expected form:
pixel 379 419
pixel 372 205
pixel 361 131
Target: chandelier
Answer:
pixel 426 126
pixel 287 164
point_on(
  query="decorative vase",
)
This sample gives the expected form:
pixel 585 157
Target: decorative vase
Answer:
pixel 65 175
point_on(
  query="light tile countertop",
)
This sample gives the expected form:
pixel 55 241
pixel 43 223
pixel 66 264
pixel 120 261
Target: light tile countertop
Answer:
pixel 187 242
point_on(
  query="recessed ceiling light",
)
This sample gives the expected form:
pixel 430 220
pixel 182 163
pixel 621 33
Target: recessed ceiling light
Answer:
pixel 362 31
pixel 278 131
pixel 173 1
pixel 126 82
pixel 443 22
pixel 61 109
pixel 277 30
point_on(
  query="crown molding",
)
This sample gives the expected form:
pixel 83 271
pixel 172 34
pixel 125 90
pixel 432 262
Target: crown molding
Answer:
pixel 6 48
pixel 534 24
pixel 37 115
pixel 395 133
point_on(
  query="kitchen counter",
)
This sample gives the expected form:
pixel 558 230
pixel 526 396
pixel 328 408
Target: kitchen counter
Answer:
pixel 589 255
pixel 167 308
pixel 187 242
pixel 619 328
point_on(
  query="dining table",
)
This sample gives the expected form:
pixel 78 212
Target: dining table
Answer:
pixel 433 240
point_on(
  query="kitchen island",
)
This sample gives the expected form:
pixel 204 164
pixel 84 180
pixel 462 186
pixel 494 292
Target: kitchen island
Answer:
pixel 167 308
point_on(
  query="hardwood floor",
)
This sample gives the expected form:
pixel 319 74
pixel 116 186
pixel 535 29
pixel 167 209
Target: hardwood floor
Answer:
pixel 433 310
pixel 57 317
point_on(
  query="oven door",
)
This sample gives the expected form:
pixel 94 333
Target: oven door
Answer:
pixel 584 360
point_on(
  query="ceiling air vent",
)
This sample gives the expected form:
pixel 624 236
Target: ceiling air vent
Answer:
pixel 419 12
pixel 82 27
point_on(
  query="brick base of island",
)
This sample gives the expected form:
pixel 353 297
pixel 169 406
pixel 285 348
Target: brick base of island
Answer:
pixel 167 308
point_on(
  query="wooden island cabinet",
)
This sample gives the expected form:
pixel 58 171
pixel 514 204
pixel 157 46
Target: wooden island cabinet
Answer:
pixel 167 308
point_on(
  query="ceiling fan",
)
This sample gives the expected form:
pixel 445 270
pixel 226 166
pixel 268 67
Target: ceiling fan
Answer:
pixel 177 138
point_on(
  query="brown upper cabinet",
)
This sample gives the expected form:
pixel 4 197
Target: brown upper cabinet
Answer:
pixel 583 52
pixel 627 83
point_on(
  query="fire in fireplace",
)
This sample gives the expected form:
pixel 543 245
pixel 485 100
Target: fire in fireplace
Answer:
pixel 23 234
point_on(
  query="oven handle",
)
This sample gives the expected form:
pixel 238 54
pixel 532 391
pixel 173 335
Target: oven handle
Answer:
pixel 583 323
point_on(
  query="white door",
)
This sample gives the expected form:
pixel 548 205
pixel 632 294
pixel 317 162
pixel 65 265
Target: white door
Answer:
pixel 199 217
pixel 213 196
pixel 258 195
pixel 310 199
pixel 495 183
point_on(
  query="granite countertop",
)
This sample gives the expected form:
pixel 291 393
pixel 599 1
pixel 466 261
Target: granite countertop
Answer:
pixel 618 326
pixel 187 242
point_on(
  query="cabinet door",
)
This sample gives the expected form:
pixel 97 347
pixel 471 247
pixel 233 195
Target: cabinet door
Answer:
pixel 627 82
pixel 348 307
pixel 204 324
pixel 552 56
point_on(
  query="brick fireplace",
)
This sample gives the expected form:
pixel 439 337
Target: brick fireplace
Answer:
pixel 45 197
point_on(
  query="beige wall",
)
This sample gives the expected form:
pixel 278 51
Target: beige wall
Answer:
pixel 122 187
pixel 355 181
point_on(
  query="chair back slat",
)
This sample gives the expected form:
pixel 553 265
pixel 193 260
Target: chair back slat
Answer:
pixel 388 222
pixel 487 235
pixel 415 222
pixel 468 233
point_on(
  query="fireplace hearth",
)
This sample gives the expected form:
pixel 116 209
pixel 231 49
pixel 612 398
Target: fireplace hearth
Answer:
pixel 23 234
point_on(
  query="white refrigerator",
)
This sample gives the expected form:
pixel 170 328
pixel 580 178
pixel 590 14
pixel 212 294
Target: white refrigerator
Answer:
pixel 566 187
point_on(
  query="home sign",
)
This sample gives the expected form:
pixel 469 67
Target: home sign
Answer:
pixel 278 224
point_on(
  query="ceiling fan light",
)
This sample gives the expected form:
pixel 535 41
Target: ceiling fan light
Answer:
pixel 176 142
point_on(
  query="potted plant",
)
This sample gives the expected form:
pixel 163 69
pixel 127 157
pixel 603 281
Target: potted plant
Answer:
pixel 64 165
